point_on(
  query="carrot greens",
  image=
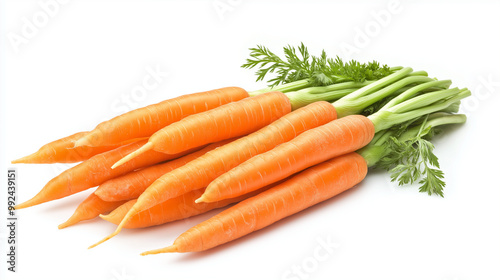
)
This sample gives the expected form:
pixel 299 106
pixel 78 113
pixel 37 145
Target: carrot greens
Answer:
pixel 317 70
pixel 395 99
pixel 407 153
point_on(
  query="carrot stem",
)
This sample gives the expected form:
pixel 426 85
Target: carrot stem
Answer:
pixel 330 93
pixel 288 87
pixel 414 90
pixel 354 103
pixel 396 76
pixel 387 118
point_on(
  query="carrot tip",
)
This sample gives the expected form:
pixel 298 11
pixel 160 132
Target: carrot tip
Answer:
pixel 71 221
pixel 103 240
pixel 25 204
pixel 105 217
pixel 25 159
pixel 106 238
pixel 118 229
pixel 170 249
pixel 64 225
pixel 201 199
pixel 148 146
pixel 98 192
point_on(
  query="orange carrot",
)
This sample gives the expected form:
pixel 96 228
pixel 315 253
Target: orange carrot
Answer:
pixel 227 121
pixel 143 122
pixel 94 172
pixel 90 208
pixel 338 137
pixel 303 190
pixel 62 151
pixel 200 172
pixel 131 185
pixel 174 209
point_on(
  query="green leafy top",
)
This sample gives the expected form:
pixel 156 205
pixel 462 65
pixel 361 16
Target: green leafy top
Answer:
pixel 413 160
pixel 407 153
pixel 405 125
pixel 401 104
pixel 318 70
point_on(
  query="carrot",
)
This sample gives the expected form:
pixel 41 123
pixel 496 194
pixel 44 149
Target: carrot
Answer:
pixel 90 208
pixel 227 121
pixel 341 136
pixel 199 173
pixel 303 190
pixel 143 122
pixel 174 209
pixel 131 185
pixel 62 151
pixel 94 172
pixel 338 137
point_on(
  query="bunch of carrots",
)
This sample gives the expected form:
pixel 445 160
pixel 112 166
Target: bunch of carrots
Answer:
pixel 312 134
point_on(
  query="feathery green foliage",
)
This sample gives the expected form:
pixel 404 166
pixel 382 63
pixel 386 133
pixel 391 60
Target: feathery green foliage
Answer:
pixel 412 160
pixel 321 70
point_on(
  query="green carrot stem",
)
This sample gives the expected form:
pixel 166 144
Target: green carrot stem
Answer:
pixel 298 99
pixel 415 90
pixel 418 73
pixel 406 111
pixel 334 92
pixel 380 83
pixel 423 100
pixel 436 119
pixel 293 86
pixel 354 103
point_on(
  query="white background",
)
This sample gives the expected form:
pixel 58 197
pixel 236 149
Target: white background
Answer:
pixel 85 63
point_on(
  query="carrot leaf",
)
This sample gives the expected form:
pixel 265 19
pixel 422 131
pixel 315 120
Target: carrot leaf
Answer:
pixel 413 160
pixel 321 70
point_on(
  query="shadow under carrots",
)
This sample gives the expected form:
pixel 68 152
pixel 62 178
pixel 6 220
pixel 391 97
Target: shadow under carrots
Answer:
pixel 257 234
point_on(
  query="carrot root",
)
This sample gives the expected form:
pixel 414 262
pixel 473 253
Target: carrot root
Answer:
pixel 148 146
pixel 169 249
pixel 89 209
pixel 134 210
pixel 300 192
pixel 145 121
pixel 71 221
pixel 25 159
pixel 201 199
pixel 37 199
pixel 104 239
